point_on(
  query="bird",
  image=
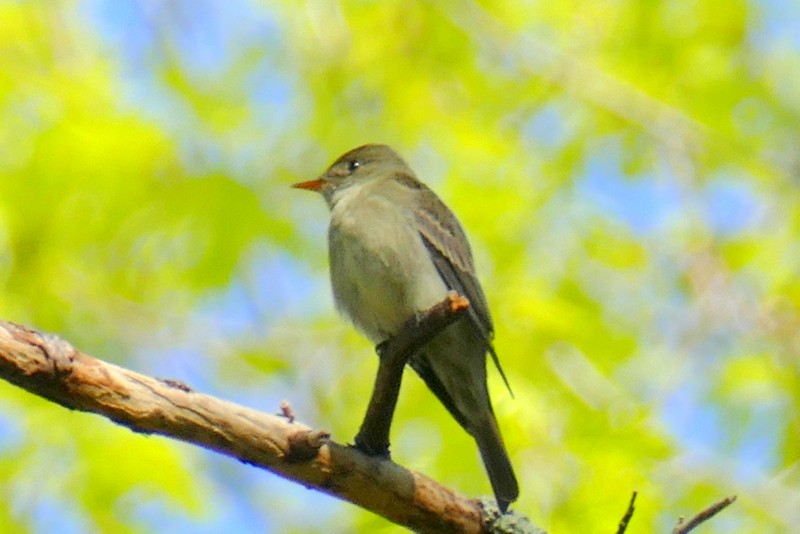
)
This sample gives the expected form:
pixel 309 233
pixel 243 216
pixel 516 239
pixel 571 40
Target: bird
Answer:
pixel 395 249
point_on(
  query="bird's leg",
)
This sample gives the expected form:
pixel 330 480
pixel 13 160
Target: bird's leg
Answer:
pixel 373 437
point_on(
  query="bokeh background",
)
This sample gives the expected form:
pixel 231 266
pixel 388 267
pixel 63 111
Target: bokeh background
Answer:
pixel 627 172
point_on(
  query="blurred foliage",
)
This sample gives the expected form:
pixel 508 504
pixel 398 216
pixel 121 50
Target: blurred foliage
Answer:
pixel 627 172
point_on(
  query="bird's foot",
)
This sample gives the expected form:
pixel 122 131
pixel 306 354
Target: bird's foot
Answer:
pixel 370 449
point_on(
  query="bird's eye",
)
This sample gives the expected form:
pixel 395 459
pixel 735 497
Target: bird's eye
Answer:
pixel 353 164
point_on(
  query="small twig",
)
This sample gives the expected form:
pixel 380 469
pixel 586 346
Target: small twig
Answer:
pixel 623 524
pixel 705 515
pixel 373 436
pixel 287 412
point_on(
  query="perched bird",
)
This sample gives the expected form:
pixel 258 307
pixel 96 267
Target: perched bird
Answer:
pixel 396 250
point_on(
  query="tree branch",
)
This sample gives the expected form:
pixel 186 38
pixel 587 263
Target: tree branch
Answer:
pixel 52 368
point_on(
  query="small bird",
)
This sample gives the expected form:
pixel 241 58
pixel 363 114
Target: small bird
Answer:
pixel 396 250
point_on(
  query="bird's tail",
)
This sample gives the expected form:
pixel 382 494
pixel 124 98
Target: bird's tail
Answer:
pixel 498 466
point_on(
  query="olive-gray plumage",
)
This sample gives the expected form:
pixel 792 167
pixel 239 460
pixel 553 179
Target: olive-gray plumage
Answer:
pixel 395 250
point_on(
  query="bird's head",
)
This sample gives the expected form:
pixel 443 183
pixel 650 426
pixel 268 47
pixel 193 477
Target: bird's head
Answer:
pixel 360 165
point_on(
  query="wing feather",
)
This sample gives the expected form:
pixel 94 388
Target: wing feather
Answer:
pixel 450 252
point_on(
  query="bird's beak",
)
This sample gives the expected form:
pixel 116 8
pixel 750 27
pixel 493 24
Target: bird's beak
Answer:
pixel 311 185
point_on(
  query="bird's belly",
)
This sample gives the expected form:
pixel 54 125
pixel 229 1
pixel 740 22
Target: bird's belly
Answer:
pixel 381 274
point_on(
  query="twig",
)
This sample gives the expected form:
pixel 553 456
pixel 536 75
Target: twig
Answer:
pixel 623 524
pixel 705 515
pixel 287 411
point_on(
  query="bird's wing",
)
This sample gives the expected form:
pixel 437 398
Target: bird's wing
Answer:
pixel 450 252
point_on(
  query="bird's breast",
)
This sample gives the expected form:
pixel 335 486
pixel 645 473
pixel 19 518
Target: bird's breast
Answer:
pixel 381 272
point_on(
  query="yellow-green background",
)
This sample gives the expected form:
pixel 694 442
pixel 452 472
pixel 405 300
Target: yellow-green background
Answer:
pixel 627 172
